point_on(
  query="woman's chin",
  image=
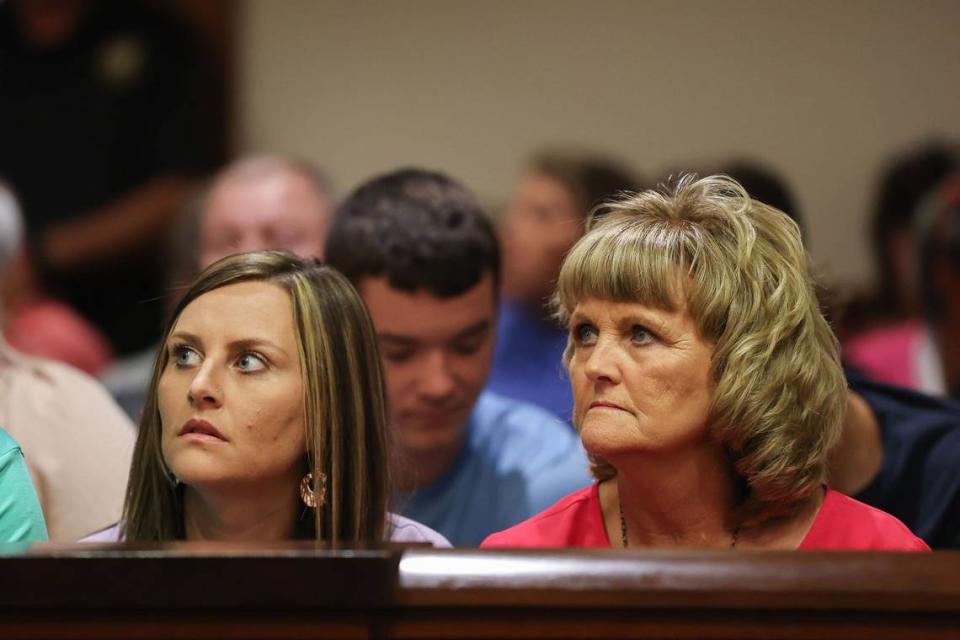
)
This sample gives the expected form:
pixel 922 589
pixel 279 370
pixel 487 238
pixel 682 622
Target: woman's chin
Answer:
pixel 607 443
pixel 603 432
pixel 198 476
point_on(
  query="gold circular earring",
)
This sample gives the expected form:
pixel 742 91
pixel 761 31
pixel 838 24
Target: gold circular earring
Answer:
pixel 311 497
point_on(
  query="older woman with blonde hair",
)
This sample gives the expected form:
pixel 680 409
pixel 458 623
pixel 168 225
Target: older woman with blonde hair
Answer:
pixel 266 416
pixel 707 385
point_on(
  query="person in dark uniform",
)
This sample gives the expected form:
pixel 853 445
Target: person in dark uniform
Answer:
pixel 105 115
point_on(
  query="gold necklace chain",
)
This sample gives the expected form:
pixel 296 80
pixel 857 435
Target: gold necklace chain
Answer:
pixel 623 530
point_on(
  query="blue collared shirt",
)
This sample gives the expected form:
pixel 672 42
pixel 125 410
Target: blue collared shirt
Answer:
pixel 518 460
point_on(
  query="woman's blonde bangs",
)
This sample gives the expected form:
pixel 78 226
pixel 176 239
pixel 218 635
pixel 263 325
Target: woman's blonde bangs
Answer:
pixel 625 261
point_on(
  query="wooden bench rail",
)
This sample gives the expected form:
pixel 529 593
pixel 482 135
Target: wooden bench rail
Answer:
pixel 300 591
pixel 713 579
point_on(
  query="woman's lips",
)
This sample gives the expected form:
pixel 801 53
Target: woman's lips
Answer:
pixel 603 404
pixel 200 430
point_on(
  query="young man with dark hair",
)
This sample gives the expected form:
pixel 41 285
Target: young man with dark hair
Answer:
pixel 425 259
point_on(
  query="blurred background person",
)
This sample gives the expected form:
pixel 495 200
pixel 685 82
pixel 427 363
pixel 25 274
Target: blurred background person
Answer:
pixel 106 118
pixel 21 518
pixel 265 202
pixel 77 442
pixel 258 202
pixel 938 239
pixel 43 326
pixel 545 217
pixel 426 261
pixel 882 333
pixel 708 387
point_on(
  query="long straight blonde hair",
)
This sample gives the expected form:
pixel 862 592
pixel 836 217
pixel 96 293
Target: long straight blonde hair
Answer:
pixel 344 406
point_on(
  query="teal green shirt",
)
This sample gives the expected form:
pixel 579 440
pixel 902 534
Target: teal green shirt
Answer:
pixel 21 519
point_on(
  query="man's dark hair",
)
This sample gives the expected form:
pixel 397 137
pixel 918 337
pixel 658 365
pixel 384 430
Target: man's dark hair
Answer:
pixel 420 229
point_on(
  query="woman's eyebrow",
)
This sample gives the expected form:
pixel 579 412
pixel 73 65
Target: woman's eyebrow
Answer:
pixel 234 345
pixel 651 320
pixel 254 343
pixel 185 337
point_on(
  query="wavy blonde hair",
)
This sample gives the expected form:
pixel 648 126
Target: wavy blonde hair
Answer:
pixel 739 268
pixel 344 406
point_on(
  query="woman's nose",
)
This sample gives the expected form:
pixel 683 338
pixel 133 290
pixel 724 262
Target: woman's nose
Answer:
pixel 204 389
pixel 602 364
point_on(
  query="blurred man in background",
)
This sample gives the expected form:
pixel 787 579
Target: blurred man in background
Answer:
pixel 265 202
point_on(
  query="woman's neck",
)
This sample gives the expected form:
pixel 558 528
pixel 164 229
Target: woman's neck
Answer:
pixel 240 516
pixel 691 500
pixel 661 499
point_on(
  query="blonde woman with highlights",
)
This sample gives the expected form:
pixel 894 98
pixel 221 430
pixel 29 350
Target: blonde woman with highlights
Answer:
pixel 707 384
pixel 265 418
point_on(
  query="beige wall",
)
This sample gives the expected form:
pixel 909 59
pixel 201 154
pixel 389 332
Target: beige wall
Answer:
pixel 823 90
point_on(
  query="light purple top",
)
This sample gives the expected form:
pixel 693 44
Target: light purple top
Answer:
pixel 407 530
pixel 401 530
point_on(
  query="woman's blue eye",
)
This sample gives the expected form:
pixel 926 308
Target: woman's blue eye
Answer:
pixel 184 356
pixel 584 333
pixel 250 362
pixel 641 335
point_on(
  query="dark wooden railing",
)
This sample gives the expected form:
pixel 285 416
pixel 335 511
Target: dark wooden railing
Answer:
pixel 297 591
